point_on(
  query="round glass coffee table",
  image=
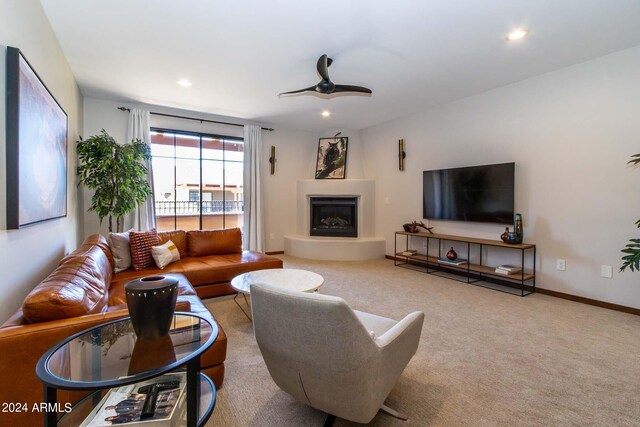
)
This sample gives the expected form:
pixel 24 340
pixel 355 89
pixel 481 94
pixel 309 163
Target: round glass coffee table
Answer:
pixel 285 278
pixel 110 355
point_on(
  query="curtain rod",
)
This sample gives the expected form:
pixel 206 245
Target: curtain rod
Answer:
pixel 192 118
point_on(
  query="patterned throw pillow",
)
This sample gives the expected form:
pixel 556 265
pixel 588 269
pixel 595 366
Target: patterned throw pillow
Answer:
pixel 141 244
pixel 165 254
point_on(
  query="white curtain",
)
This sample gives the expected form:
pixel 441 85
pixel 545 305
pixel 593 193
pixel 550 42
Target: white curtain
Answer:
pixel 143 217
pixel 252 238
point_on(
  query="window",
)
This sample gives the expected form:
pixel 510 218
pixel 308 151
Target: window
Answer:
pixel 197 180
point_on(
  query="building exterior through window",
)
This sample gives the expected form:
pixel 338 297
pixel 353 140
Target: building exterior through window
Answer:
pixel 197 180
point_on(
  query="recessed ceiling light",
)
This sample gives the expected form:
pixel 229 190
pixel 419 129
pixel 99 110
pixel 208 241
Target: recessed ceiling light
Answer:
pixel 184 82
pixel 517 34
pixel 326 113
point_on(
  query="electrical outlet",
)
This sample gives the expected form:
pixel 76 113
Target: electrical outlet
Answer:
pixel 386 200
pixel 606 271
pixel 561 264
pixel 272 236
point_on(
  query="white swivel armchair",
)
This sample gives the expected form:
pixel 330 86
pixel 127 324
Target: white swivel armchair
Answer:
pixel 338 360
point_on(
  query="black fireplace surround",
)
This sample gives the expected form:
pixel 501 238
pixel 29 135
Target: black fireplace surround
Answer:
pixel 334 216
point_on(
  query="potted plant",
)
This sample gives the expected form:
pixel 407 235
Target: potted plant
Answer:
pixel 632 250
pixel 116 173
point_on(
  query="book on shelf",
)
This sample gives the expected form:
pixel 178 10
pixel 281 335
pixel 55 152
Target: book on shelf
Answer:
pixel 457 261
pixel 410 252
pixel 126 405
pixel 508 269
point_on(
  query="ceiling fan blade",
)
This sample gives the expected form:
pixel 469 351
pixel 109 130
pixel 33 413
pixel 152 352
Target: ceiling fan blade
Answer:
pixel 323 66
pixel 350 88
pixel 309 89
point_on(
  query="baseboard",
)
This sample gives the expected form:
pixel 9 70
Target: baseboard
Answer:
pixel 583 300
pixel 275 253
pixel 576 298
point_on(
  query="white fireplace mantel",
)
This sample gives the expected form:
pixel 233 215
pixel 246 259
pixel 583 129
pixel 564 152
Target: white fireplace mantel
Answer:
pixel 365 246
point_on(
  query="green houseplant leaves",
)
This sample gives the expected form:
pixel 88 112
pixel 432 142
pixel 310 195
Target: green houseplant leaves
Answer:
pixel 631 258
pixel 116 173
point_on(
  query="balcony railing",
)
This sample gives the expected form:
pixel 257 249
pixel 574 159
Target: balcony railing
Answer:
pixel 164 207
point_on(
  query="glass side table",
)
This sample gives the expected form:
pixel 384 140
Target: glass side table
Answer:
pixel 110 355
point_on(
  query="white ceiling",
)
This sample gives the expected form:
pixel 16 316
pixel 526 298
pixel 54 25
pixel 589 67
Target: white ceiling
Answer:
pixel 240 54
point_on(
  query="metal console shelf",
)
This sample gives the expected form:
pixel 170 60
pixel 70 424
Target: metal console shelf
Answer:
pixel 523 283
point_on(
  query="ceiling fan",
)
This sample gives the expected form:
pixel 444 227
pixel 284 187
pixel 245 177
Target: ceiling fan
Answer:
pixel 326 86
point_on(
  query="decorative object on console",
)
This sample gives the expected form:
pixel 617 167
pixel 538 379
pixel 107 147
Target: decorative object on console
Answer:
pixel 413 227
pixel 512 238
pixel 117 174
pixel 272 160
pixel 401 154
pixel 452 255
pixel 517 228
pixel 504 235
pixel 632 250
pixel 36 147
pixel 151 302
pixel 331 162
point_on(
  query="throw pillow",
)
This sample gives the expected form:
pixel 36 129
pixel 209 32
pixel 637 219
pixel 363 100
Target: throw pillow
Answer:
pixel 141 244
pixel 165 254
pixel 121 250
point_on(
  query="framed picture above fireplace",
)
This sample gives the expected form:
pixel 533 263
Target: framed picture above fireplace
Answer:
pixel 332 158
pixel 36 147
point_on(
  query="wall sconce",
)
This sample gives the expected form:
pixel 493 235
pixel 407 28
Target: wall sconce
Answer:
pixel 401 154
pixel 272 160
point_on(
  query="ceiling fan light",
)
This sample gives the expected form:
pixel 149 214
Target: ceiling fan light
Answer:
pixel 517 34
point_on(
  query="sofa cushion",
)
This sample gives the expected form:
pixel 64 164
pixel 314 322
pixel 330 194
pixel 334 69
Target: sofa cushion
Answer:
pixel 208 269
pixel 178 237
pixel 91 241
pixel 76 288
pixel 223 268
pixel 214 242
pixel 165 254
pixel 141 244
pixel 121 250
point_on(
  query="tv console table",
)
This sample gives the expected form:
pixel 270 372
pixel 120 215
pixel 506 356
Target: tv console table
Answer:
pixel 522 283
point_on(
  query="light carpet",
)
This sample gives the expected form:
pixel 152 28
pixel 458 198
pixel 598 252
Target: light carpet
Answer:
pixel 485 358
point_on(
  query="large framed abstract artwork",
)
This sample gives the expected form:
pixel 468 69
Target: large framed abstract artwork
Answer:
pixel 36 147
pixel 332 158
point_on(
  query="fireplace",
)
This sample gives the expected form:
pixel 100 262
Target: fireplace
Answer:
pixel 334 216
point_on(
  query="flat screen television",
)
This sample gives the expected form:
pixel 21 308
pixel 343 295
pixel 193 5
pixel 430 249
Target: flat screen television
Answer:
pixel 476 193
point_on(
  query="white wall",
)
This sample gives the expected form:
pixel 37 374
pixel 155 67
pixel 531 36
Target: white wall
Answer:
pixel 295 150
pixel 570 133
pixel 30 254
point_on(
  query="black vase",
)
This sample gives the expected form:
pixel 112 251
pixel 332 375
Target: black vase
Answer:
pixel 517 227
pixel 151 301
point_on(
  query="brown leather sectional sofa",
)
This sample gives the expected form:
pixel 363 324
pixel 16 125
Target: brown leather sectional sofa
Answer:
pixel 83 292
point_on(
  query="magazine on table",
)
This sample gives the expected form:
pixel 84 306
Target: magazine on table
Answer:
pixel 133 405
pixel 457 261
pixel 508 269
